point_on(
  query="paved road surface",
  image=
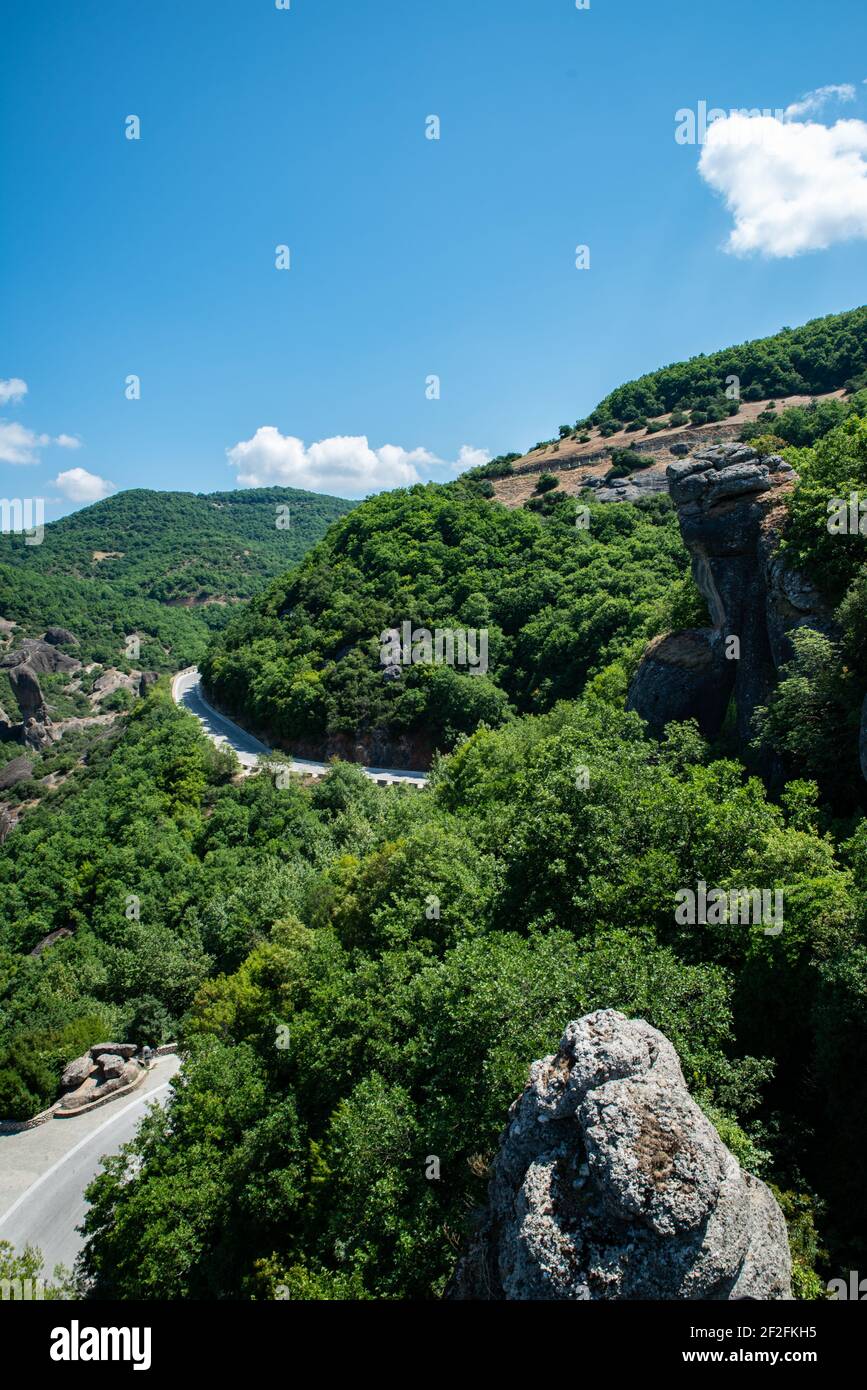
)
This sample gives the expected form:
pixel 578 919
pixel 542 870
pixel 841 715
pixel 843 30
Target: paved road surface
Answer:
pixel 187 691
pixel 44 1171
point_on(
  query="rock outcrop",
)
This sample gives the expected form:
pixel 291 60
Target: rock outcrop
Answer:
pixel 41 656
pixel 104 1069
pixel 730 513
pixel 684 675
pixel 60 637
pixel 36 734
pixel 112 680
pixel 15 771
pixel 28 693
pixel 632 488
pixel 610 1183
pixel 34 731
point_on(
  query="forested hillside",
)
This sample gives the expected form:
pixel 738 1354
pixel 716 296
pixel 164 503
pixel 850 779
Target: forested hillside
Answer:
pixel 164 564
pixel 827 354
pixel 818 709
pixel 359 976
pixel 559 602
pixel 339 1031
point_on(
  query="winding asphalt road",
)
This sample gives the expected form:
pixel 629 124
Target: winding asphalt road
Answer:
pixel 187 691
pixel 44 1171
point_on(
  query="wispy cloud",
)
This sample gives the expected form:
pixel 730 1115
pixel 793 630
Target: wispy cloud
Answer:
pixel 12 389
pixel 20 445
pixel 817 100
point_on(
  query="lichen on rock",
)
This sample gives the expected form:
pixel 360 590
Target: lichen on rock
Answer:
pixel 611 1183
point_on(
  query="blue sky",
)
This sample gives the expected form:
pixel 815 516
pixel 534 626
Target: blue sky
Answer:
pixel 409 257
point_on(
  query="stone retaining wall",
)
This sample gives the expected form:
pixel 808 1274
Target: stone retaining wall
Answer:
pixel 54 1112
pixel 19 1126
pixel 695 435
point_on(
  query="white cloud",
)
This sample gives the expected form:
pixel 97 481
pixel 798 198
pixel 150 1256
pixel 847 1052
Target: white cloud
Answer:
pixel 80 486
pixel 814 101
pixel 470 457
pixel 791 186
pixel 13 389
pixel 19 444
pixel 345 465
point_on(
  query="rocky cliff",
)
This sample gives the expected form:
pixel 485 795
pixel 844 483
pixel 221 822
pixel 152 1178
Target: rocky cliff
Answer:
pixel 610 1183
pixel 34 656
pixel 731 510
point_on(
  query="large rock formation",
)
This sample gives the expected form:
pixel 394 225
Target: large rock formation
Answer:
pixel 60 636
pixel 15 771
pixel 34 730
pixel 684 675
pixel 28 693
pixel 43 657
pixel 731 515
pixel 610 1183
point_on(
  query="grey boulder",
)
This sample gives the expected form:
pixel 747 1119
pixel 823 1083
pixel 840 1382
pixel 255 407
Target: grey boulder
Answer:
pixel 15 771
pixel 611 1184
pixel 60 636
pixel 124 1050
pixel 110 1065
pixel 28 693
pixel 77 1072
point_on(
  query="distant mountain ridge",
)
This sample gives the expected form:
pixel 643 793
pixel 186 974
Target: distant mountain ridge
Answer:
pixel 166 565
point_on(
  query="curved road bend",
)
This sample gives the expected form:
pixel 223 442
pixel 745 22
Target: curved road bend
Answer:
pixel 44 1171
pixel 187 691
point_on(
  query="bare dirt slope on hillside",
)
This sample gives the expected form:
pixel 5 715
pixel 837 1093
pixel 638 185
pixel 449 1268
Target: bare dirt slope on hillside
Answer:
pixel 565 457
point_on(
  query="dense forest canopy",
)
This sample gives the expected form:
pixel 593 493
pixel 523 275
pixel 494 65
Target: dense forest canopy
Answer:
pixel 264 906
pixel 359 976
pixel 824 355
pixel 815 715
pixel 559 603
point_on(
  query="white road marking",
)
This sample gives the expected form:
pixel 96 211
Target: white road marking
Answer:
pixel 49 1172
